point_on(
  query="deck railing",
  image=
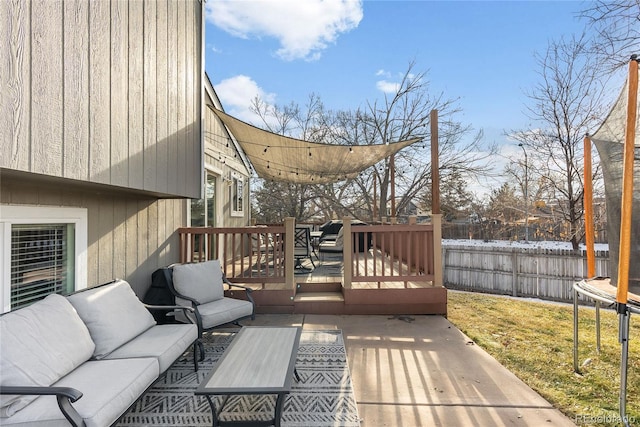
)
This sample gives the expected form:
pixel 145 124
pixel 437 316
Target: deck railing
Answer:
pixel 373 253
pixel 247 254
pixel 392 253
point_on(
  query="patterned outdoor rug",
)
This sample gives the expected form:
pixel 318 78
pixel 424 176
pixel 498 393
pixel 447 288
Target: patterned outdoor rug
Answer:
pixel 324 397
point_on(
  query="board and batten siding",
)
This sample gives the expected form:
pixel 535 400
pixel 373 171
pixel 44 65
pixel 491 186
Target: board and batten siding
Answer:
pixel 103 91
pixel 127 237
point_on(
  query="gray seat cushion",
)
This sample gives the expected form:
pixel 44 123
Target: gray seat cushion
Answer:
pixel 223 311
pixel 109 387
pixel 164 342
pixel 40 344
pixel 201 281
pixel 114 315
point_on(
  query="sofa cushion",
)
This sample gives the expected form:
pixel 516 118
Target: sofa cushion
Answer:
pixel 114 315
pixel 40 344
pixel 201 281
pixel 109 388
pixel 164 342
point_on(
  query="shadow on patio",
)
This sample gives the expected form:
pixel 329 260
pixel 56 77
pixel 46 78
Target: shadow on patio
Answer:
pixel 420 370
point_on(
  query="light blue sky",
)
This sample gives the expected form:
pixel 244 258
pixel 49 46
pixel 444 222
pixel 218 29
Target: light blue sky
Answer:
pixel 479 51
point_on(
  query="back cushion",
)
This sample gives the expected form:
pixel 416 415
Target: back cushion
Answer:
pixel 201 281
pixel 114 315
pixel 40 344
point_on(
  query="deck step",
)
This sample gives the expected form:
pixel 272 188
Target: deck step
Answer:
pixel 315 287
pixel 319 297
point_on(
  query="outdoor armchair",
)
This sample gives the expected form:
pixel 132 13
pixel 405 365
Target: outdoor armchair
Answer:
pixel 200 285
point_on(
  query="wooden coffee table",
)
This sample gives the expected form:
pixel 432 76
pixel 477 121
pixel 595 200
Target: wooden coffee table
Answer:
pixel 260 360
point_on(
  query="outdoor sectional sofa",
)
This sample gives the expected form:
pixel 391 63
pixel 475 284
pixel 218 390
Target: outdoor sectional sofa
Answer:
pixel 84 359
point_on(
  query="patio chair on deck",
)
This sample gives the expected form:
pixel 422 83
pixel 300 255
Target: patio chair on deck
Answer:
pixel 302 248
pixel 201 285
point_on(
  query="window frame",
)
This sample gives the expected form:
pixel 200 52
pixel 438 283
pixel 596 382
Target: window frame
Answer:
pixel 27 214
pixel 237 189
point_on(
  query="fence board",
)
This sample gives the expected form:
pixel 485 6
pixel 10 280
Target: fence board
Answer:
pixel 527 272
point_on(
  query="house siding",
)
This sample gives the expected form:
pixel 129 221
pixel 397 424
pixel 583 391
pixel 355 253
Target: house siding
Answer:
pixel 101 109
pixel 224 157
pixel 128 236
pixel 103 92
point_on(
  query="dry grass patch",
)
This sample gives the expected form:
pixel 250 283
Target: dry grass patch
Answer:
pixel 534 340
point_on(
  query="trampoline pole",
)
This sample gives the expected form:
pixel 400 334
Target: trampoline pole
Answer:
pixel 598 327
pixel 624 361
pixel 588 209
pixel 589 230
pixel 575 332
pixel 626 207
pixel 625 230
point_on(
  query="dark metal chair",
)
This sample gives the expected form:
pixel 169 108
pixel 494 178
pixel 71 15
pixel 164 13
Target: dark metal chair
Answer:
pixel 302 248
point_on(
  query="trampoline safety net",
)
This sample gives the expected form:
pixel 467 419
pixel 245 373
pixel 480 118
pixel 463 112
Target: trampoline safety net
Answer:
pixel 609 141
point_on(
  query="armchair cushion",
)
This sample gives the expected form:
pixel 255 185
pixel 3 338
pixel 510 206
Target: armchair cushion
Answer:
pixel 223 311
pixel 114 315
pixel 201 281
pixel 40 344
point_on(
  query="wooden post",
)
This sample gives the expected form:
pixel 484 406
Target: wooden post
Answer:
pixel 435 166
pixel 436 220
pixel 289 258
pixel 588 209
pixel 627 185
pixel 375 198
pixel 392 167
pixel 347 252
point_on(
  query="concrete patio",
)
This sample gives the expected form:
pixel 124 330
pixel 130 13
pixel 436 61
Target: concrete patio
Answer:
pixel 421 370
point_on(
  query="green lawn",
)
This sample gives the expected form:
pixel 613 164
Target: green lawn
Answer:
pixel 534 340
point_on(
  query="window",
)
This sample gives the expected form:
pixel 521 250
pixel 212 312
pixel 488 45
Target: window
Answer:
pixel 42 251
pixel 203 211
pixel 237 196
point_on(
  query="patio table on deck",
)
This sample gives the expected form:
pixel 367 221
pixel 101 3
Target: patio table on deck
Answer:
pixel 260 360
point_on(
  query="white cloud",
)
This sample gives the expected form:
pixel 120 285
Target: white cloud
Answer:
pixel 213 48
pixel 303 28
pixel 387 86
pixel 236 94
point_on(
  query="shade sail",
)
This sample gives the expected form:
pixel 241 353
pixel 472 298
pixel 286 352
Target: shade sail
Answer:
pixel 281 158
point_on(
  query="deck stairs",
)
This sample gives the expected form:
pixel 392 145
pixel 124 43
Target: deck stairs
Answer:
pixel 319 298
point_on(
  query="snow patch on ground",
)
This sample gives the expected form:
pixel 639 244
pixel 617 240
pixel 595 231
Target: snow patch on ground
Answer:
pixel 519 244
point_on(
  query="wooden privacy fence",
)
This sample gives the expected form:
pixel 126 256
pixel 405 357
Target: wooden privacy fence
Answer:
pixel 518 271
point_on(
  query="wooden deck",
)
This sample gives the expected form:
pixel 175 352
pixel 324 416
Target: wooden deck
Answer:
pixel 320 290
pixel 384 269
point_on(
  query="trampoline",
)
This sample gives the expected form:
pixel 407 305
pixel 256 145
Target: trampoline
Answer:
pixel 617 143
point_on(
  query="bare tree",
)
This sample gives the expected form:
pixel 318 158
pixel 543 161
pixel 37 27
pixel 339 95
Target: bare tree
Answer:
pixel 402 115
pixel 617 25
pixel 564 105
pixel 406 114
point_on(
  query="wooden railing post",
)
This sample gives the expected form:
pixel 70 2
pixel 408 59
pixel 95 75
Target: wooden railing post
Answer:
pixel 436 220
pixel 347 252
pixel 289 258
